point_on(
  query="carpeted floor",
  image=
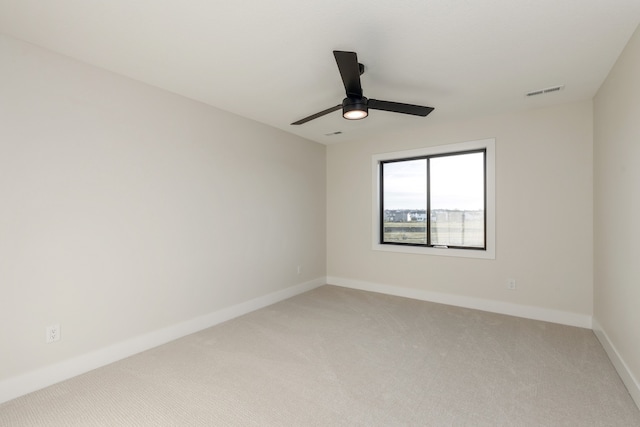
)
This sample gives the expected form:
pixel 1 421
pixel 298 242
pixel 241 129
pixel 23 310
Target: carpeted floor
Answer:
pixel 336 356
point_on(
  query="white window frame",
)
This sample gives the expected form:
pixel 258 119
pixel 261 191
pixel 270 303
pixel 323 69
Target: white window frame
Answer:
pixel 490 232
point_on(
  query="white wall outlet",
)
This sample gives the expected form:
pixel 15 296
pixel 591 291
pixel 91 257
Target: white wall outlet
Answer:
pixel 511 284
pixel 299 270
pixel 53 333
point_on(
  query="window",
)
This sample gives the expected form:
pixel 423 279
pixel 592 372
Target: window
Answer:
pixel 437 200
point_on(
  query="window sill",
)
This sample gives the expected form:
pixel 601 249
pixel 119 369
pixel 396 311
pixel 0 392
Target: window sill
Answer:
pixel 459 253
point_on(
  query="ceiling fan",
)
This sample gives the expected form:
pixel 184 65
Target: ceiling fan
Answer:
pixel 355 106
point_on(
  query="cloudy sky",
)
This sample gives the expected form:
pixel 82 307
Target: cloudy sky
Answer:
pixel 456 183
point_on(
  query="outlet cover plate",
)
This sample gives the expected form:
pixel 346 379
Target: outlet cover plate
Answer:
pixel 53 333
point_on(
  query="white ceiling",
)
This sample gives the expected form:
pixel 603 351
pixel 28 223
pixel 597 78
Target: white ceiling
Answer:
pixel 272 61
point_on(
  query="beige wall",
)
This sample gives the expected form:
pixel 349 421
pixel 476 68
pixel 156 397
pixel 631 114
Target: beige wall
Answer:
pixel 125 209
pixel 544 212
pixel 617 209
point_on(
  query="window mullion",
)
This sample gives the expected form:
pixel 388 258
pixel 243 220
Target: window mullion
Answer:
pixel 382 218
pixel 484 176
pixel 428 210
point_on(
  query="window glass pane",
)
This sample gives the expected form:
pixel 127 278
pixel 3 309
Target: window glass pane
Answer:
pixel 457 200
pixel 405 201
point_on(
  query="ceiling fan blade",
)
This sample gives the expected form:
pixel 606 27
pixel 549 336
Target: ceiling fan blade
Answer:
pixel 350 72
pixel 397 107
pixel 316 115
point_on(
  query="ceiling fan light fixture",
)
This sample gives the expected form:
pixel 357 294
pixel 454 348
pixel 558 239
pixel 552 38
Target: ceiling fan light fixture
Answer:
pixel 355 108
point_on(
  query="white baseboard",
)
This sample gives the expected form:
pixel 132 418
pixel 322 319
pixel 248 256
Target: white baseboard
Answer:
pixel 501 307
pixel 625 373
pixel 35 380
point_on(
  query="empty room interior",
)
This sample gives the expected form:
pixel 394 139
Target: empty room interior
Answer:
pixel 195 231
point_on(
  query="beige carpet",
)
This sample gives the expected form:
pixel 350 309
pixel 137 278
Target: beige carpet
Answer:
pixel 336 356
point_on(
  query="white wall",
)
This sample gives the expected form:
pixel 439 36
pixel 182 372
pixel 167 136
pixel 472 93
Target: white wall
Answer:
pixel 125 209
pixel 544 217
pixel 617 214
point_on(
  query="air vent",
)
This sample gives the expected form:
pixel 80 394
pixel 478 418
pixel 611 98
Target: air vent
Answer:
pixel 547 90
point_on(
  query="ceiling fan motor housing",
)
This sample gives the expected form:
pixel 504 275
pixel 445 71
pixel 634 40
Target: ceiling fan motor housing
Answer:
pixel 355 108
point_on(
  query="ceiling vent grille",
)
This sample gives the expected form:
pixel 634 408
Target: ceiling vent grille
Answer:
pixel 546 90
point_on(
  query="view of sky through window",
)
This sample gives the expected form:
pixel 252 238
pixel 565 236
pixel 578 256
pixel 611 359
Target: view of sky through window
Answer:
pixel 405 185
pixel 457 182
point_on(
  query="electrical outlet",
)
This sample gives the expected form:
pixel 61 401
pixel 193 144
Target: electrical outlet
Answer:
pixel 53 333
pixel 511 284
pixel 299 270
